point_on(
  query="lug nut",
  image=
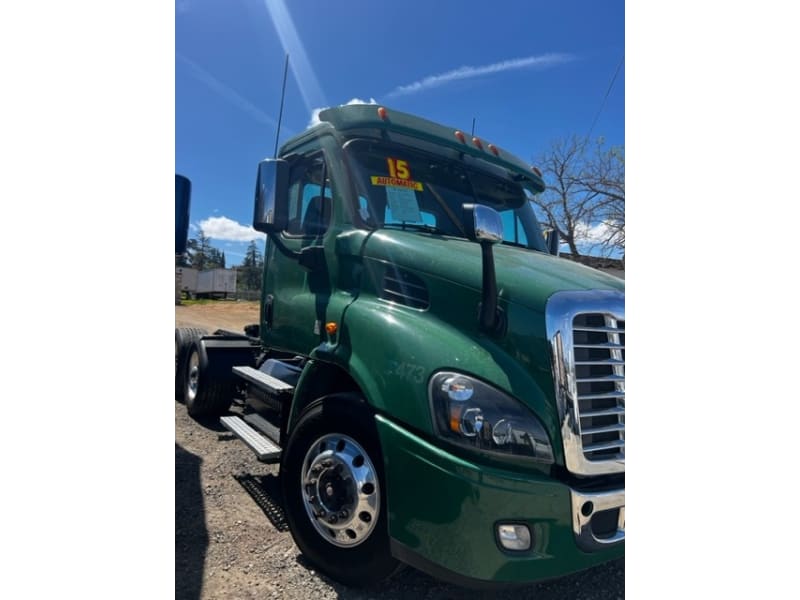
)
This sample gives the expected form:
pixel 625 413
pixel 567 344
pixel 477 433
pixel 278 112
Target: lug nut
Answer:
pixel 321 513
pixel 343 514
pixel 332 519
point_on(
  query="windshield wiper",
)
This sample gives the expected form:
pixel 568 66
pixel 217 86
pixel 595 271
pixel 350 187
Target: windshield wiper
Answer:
pixel 416 226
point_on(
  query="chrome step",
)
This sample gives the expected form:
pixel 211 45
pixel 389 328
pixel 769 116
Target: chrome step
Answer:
pixel 265 449
pixel 263 381
pixel 268 429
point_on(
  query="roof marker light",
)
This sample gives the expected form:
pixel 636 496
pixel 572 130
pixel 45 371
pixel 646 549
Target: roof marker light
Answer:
pixel 494 149
pixel 536 170
pixel 477 143
pixel 460 136
pixel 382 113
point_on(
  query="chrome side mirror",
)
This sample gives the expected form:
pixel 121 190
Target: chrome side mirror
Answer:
pixel 271 213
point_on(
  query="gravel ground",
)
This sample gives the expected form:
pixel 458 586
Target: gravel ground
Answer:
pixel 231 539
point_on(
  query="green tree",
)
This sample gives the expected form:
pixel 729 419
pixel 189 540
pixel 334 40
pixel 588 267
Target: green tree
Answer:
pixel 201 251
pixel 201 255
pixel 215 259
pixel 251 268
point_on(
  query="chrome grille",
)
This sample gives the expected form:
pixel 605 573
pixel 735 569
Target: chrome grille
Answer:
pixel 598 343
pixel 586 330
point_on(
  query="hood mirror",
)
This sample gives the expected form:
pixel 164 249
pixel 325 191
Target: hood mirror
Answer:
pixel 483 223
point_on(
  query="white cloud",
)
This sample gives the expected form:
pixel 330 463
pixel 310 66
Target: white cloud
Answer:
pixel 223 228
pixel 594 234
pixel 467 72
pixel 315 113
pixel 599 238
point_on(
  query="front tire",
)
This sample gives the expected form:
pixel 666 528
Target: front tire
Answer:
pixel 335 492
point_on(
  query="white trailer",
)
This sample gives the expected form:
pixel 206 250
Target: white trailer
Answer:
pixel 186 279
pixel 216 282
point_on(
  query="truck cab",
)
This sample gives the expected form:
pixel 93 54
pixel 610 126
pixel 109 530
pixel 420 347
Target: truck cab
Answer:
pixel 440 388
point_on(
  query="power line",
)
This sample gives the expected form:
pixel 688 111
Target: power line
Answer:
pixel 608 91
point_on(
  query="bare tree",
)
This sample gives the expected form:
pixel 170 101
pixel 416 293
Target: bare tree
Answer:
pixel 584 199
pixel 604 175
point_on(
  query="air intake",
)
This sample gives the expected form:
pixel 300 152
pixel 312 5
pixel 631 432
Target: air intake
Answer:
pixel 403 287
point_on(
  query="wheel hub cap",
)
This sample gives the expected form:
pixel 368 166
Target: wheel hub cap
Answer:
pixel 340 490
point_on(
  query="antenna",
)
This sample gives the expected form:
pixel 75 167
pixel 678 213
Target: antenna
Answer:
pixel 280 114
pixel 473 126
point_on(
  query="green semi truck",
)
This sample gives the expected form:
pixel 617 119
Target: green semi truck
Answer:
pixel 439 387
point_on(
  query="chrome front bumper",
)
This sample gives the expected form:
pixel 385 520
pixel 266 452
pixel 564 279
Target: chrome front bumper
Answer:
pixel 585 506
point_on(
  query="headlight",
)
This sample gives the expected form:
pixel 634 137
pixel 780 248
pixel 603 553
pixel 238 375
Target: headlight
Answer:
pixel 470 413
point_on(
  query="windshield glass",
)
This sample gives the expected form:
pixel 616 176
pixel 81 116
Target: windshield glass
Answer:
pixel 404 188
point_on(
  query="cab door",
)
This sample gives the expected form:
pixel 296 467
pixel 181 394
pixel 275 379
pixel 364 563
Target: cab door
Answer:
pixel 297 290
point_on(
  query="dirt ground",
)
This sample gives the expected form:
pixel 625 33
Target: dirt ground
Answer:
pixel 231 537
pixel 223 314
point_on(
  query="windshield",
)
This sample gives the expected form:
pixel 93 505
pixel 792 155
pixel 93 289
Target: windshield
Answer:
pixel 404 188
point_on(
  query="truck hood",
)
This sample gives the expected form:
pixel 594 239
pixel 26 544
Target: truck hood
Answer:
pixel 524 276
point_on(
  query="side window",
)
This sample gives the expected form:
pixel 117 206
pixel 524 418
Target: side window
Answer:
pixel 310 198
pixel 513 231
pixel 364 211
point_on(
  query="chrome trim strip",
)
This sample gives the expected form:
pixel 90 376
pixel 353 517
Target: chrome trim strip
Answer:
pixel 560 312
pixel 581 523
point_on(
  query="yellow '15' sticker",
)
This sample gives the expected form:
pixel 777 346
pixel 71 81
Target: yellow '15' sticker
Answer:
pixel 398 168
pixel 399 176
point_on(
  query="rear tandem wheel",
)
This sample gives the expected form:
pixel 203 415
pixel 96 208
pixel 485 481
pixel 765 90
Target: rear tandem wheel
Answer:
pixel 184 338
pixel 205 392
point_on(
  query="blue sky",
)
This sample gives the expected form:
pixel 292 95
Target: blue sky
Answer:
pixel 527 71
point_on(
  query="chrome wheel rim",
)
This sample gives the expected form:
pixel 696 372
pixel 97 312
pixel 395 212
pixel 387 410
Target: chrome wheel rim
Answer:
pixel 340 490
pixel 194 376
